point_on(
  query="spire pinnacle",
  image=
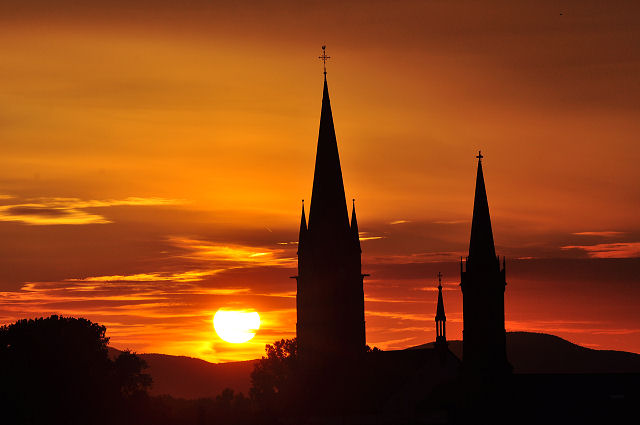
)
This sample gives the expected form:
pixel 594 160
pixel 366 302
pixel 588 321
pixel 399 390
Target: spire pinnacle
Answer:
pixel 303 227
pixel 328 212
pixel 324 59
pixel 481 247
pixel 354 224
pixel 440 316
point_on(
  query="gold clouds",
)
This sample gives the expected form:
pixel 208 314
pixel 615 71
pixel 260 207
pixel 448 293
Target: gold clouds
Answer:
pixel 55 211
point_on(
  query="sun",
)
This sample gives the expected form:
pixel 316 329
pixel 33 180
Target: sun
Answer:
pixel 236 326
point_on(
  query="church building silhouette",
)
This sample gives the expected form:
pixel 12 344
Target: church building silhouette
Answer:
pixel 330 324
pixel 330 297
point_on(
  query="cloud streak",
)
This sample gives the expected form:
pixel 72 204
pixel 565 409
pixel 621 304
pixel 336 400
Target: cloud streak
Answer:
pixel 71 211
pixel 609 250
pixel 606 234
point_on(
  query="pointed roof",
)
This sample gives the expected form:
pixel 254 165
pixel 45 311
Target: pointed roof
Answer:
pixel 354 225
pixel 328 206
pixel 481 246
pixel 440 309
pixel 303 226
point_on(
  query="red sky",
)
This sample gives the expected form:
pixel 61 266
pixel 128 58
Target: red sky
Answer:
pixel 154 155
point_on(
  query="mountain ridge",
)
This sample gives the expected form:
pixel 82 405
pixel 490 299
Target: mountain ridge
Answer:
pixel 532 352
pixel 529 353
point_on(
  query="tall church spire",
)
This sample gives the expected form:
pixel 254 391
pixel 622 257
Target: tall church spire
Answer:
pixel 330 296
pixel 328 204
pixel 481 247
pixel 483 285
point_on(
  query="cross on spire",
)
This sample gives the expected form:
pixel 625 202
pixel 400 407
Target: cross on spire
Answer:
pixel 324 58
pixel 439 279
pixel 480 156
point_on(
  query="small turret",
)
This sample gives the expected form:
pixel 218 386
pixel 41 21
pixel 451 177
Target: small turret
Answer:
pixel 441 318
pixel 303 228
pixel 354 227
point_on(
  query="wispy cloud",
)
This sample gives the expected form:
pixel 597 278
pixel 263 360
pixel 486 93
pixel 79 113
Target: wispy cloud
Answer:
pixel 400 222
pixel 573 327
pixel 202 250
pixel 70 211
pixel 421 257
pixel 188 276
pixel 606 234
pixel 450 222
pixel 609 250
pixel 364 236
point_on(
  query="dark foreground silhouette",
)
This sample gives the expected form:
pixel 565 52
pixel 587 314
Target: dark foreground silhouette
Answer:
pixel 191 378
pixel 58 371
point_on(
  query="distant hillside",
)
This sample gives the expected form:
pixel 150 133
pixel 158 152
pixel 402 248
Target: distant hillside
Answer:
pixel 542 353
pixel 186 377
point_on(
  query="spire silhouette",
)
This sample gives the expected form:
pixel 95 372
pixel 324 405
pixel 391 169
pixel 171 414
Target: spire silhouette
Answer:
pixel 441 319
pixel 440 309
pixel 328 210
pixel 330 299
pixel 481 247
pixel 354 226
pixel 303 227
pixel 483 285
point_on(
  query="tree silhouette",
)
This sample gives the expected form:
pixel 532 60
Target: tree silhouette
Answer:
pixel 273 377
pixel 57 370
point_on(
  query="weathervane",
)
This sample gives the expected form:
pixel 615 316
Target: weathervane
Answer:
pixel 324 58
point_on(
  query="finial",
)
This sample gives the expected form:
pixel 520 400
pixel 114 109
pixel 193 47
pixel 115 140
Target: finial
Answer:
pixel 324 58
pixel 479 156
pixel 439 280
pixel 354 202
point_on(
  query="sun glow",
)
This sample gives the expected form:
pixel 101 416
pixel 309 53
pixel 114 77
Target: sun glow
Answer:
pixel 236 326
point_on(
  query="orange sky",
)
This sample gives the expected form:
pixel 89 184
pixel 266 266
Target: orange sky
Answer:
pixel 154 155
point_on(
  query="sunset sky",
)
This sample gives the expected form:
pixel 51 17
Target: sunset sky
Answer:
pixel 154 155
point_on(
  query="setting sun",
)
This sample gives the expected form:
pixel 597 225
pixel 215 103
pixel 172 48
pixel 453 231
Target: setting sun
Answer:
pixel 236 326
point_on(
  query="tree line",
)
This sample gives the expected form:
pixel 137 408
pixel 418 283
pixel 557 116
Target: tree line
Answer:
pixel 56 370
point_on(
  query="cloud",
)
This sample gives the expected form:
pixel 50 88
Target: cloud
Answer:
pixel 422 257
pixel 400 222
pixel 42 214
pixel 363 237
pixel 71 211
pixel 233 254
pixel 188 276
pixel 606 234
pixel 574 327
pixel 609 250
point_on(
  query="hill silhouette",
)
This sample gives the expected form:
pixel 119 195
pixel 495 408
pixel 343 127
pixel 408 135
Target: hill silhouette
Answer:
pixel 531 352
pixel 191 378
